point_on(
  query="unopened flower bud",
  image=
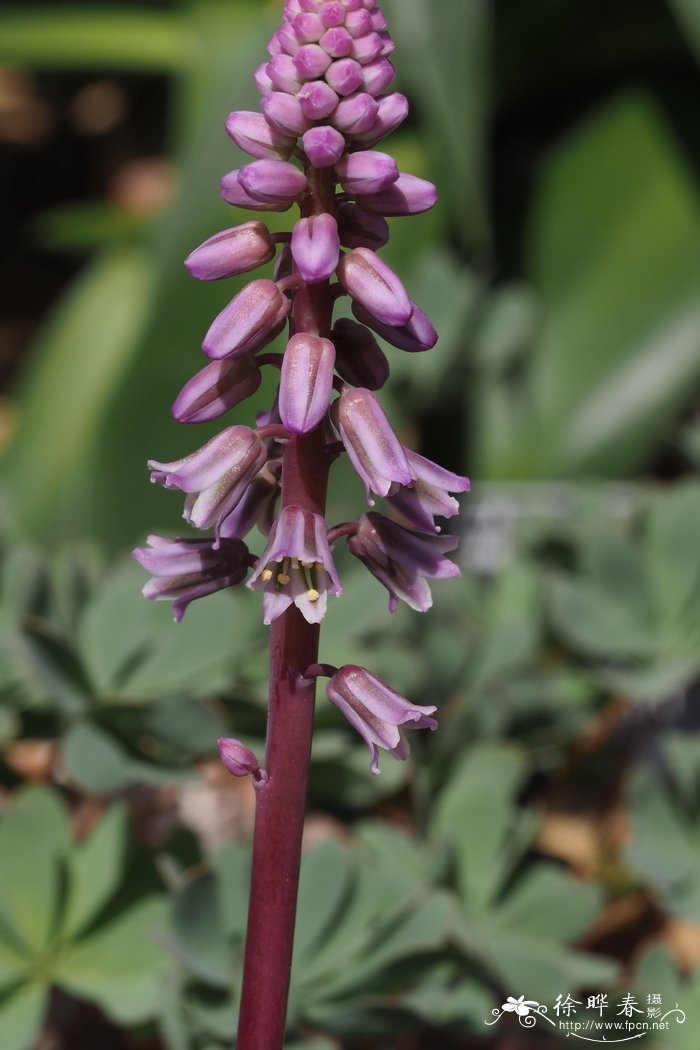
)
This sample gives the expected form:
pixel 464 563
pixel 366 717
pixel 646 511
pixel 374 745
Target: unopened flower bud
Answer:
pixel 316 247
pixel 306 382
pixel 361 229
pixel 216 389
pixel 416 335
pixel 337 43
pixel 359 359
pixel 308 28
pixel 377 75
pixel 372 446
pixel 252 134
pixel 392 110
pixel 332 13
pixel 358 23
pixel 344 76
pixel 311 61
pixel 356 114
pixel 283 74
pixel 375 286
pixel 323 146
pixel 367 172
pixel 263 84
pixel 318 100
pixel 233 192
pixel 252 319
pixel 409 195
pixel 238 759
pixel 272 181
pixel 285 114
pixel 231 252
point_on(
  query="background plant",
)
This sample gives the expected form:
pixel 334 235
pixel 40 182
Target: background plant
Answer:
pixel 562 271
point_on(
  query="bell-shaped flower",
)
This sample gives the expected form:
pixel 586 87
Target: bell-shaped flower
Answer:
pixel 217 388
pixel 372 446
pixel 367 172
pixel 429 496
pixel 402 560
pixel 238 759
pixel 415 336
pixel 252 133
pixel 296 567
pixel 256 506
pixel 183 570
pixel 359 359
pixel 216 476
pixel 378 713
pixel 306 382
pixel 231 252
pixel 251 320
pixel 316 247
pixel 375 286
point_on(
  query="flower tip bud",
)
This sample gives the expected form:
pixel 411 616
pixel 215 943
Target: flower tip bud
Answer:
pixel 238 759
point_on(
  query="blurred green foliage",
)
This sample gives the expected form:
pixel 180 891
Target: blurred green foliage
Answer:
pixel 545 840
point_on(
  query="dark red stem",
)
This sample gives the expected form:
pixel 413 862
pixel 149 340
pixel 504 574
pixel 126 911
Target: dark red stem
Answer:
pixel 281 799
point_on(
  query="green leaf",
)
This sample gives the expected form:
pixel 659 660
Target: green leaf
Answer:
pixel 13 966
pixel 548 904
pixel 600 622
pixel 618 274
pixel 110 37
pixel 21 1016
pixel 95 760
pixel 84 350
pixel 476 814
pixel 120 967
pixel 199 937
pixel 673 557
pixel 34 841
pixel 324 883
pixel 95 870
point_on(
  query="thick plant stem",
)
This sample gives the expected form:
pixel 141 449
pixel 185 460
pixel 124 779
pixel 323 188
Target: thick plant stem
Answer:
pixel 281 799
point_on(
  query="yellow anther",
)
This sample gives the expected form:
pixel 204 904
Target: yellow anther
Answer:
pixel 307 564
pixel 283 578
pixel 266 575
pixel 313 595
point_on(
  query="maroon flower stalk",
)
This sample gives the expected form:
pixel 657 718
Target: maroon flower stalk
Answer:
pixel 325 106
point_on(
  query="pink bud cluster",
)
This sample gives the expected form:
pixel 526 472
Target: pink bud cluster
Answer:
pixel 325 105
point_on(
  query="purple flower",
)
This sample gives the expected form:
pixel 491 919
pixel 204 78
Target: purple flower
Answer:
pixel 316 247
pixel 311 61
pixel 367 171
pixel 429 496
pixel 361 229
pixel 256 506
pixel 231 252
pixel 252 133
pixel 359 359
pixel 324 146
pixel 216 476
pixel 344 76
pixel 416 335
pixel 318 100
pixel 186 569
pixel 306 382
pixel 377 711
pixel 219 387
pixel 284 114
pixel 402 559
pixel 409 195
pixel 372 446
pixel 356 113
pixel 251 320
pixel 233 193
pixel 238 759
pixel 375 286
pixel 392 110
pixel 296 567
pixel 272 181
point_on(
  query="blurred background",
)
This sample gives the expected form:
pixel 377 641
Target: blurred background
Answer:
pixel 545 842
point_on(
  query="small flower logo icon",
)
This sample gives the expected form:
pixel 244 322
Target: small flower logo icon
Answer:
pixel 521 1006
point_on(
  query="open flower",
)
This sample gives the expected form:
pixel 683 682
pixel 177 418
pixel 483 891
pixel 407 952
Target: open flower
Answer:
pixel 402 559
pixel 377 712
pixel 429 495
pixel 216 476
pixel 183 570
pixel 296 567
